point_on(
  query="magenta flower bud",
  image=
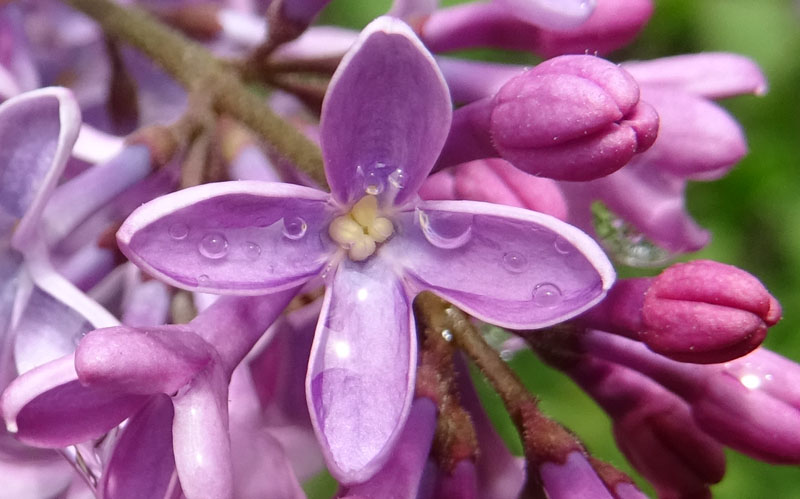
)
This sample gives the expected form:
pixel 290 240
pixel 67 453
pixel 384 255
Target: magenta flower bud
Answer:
pixel 662 441
pixel 707 312
pixel 571 118
pixel 497 181
pixel 653 427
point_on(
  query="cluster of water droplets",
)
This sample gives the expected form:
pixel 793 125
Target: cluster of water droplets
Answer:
pixel 214 245
pixel 379 178
pixel 625 243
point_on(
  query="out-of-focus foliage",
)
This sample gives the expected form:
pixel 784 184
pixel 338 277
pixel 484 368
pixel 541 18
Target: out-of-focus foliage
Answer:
pixel 753 213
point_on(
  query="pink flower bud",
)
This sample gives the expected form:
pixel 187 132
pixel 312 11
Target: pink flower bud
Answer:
pixel 706 312
pixel 571 118
pixel 497 181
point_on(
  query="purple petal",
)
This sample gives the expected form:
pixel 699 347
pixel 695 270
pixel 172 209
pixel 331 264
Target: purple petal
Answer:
pixel 387 110
pixel 551 14
pixel 499 473
pixel 361 374
pixel 254 449
pixel 695 136
pixel 573 478
pixel 48 407
pixel 651 200
pixel 17 68
pixel 142 464
pixel 200 437
pixel 147 361
pixel 243 238
pixel 47 330
pixel 551 271
pixel 713 75
pixel 412 9
pixel 400 476
pixel 37 131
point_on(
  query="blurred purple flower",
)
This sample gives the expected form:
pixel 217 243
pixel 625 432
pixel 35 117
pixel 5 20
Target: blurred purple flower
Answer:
pixel 543 27
pixel 384 120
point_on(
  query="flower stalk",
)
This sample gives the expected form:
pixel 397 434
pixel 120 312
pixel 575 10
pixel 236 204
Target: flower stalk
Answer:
pixel 199 71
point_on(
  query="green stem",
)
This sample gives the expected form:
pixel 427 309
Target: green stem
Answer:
pixel 199 71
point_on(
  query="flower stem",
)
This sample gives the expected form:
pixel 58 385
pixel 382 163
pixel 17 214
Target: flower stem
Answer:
pixel 199 71
pixel 543 439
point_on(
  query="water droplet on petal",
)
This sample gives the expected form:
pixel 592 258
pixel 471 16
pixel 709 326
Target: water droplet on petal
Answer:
pixel 203 279
pixel 178 231
pixel 251 250
pixel 515 262
pixel 397 178
pixel 562 245
pixel 326 271
pixel 213 246
pixel 294 228
pixel 546 295
pixel 447 230
pixel 624 242
pixel 373 183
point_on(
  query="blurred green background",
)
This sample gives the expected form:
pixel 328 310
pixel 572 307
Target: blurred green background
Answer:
pixel 753 213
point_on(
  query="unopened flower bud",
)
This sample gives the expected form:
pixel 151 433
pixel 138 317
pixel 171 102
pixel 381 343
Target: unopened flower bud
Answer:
pixel 497 181
pixel 706 312
pixel 571 118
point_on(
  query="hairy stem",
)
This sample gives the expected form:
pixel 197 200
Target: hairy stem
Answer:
pixel 199 71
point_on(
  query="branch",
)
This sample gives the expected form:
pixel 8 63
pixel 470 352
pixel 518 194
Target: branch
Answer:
pixel 198 70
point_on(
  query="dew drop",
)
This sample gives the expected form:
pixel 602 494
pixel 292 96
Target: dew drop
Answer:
pixel 203 279
pixel 445 229
pixel 397 179
pixel 251 250
pixel 294 228
pixel 515 262
pixel 178 231
pixel 447 335
pixel 562 245
pixel 373 183
pixel 213 246
pixel 326 271
pixel 546 295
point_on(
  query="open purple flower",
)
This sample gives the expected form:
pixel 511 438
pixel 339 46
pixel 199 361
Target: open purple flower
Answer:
pixel 384 120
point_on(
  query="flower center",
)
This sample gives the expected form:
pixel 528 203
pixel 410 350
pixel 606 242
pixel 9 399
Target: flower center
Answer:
pixel 360 230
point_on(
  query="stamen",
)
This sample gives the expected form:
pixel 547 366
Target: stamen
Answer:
pixel 360 230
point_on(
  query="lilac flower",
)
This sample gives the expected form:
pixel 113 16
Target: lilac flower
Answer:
pixel 569 118
pixel 496 181
pixel 701 311
pixel 171 381
pixel 697 140
pixel 653 427
pixel 384 120
pixel 751 404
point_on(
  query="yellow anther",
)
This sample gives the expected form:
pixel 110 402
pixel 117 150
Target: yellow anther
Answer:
pixel 344 230
pixel 360 230
pixel 380 229
pixel 362 249
pixel 365 210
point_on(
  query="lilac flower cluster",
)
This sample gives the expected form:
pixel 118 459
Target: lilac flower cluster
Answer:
pixel 184 312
